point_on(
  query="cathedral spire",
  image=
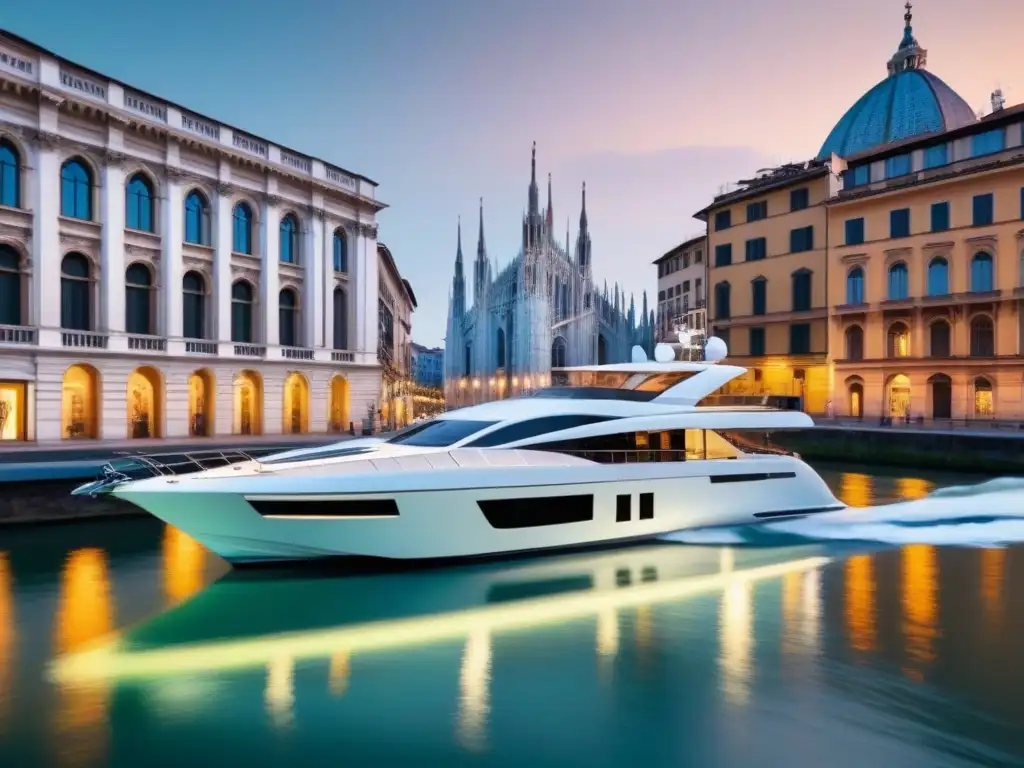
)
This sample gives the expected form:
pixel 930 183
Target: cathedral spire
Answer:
pixel 534 207
pixel 551 210
pixel 458 251
pixel 583 209
pixel 481 247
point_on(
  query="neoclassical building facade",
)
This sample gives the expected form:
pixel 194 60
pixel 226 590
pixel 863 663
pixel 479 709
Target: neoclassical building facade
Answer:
pixel 165 275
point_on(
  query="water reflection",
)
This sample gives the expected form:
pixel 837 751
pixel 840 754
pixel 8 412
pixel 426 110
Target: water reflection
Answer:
pixel 860 603
pixel 856 489
pixel 338 673
pixel 7 639
pixel 736 642
pixel 993 568
pixel 184 565
pixel 910 488
pixel 474 691
pixel 920 607
pixel 85 613
pixel 279 692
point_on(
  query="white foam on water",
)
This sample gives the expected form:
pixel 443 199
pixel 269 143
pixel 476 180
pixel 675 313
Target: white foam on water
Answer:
pixel 990 514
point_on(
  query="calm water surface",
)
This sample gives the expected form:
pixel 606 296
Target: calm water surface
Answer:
pixel 125 643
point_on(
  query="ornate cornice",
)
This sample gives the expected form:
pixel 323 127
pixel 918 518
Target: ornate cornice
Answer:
pixel 177 173
pixel 47 140
pixel 944 246
pixel 368 230
pixel 53 98
pixel 224 189
pixel 273 200
pixel 114 158
pixel 855 258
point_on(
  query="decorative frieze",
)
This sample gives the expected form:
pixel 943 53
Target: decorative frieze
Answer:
pixel 299 163
pixel 114 158
pixel 75 81
pixel 47 140
pixel 368 230
pixel 224 189
pixel 19 65
pixel 250 145
pixel 339 177
pixel 199 127
pixel 145 106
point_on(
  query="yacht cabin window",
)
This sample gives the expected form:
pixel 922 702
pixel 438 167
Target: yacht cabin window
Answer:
pixel 533 427
pixel 666 445
pixel 440 433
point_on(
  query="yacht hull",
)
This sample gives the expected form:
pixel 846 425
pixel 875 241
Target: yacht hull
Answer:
pixel 474 514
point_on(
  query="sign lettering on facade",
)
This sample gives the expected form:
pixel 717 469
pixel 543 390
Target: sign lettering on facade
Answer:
pixel 145 106
pixel 83 85
pixel 252 146
pixel 17 64
pixel 200 127
pixel 297 162
pixel 333 174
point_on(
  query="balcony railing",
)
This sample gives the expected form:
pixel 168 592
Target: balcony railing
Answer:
pixel 17 334
pixel 249 350
pixel 141 343
pixel 296 353
pixel 342 356
pixel 84 339
pixel 197 347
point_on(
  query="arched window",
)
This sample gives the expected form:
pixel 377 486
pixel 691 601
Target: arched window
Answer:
pixel 197 218
pixel 938 277
pixel 193 306
pixel 138 204
pixel 290 239
pixel 801 290
pixel 982 337
pixel 241 312
pixel 898 340
pixel 287 317
pixel 558 352
pixel 984 402
pixel 138 312
pixel 854 343
pixel 899 282
pixel 75 293
pixel 939 339
pixel 241 239
pixel 722 301
pixel 855 286
pixel 76 190
pixel 10 175
pixel 340 319
pixel 982 279
pixel 340 251
pixel 501 348
pixel 10 286
pixel 942 396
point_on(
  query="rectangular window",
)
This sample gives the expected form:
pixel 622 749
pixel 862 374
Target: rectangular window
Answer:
pixel 801 239
pixel 802 291
pixel 854 231
pixel 983 205
pixel 940 217
pixel 757 341
pixel 899 222
pixel 757 249
pixel 757 211
pixel 723 220
pixel 759 289
pixel 800 339
pixel 937 156
pixel 988 142
pixel 723 255
pixel 897 166
pixel 646 506
pixel 623 508
pixel 857 176
pixel 799 199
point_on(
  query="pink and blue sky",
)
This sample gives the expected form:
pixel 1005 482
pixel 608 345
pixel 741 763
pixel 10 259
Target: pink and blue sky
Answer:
pixel 655 104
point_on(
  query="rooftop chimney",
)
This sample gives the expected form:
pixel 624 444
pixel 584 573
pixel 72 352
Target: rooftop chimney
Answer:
pixel 998 102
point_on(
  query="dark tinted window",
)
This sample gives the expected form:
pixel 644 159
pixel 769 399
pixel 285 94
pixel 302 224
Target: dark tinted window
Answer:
pixel 596 393
pixel 533 427
pixel 440 433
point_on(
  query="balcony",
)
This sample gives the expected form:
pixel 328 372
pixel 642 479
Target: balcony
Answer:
pixel 199 347
pixel 84 339
pixel 342 356
pixel 296 353
pixel 17 334
pixel 143 343
pixel 250 350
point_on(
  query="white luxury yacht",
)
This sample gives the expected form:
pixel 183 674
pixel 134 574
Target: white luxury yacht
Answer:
pixel 609 455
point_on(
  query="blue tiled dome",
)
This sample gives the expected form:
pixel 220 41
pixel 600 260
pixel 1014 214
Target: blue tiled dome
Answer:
pixel 909 102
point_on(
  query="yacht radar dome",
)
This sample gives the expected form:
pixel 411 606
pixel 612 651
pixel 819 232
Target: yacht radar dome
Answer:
pixel 715 350
pixel 639 356
pixel 663 353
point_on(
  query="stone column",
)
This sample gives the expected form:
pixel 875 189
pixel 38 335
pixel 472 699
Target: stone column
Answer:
pixel 46 248
pixel 328 286
pixel 173 236
pixel 221 296
pixel 270 237
pixel 312 295
pixel 112 261
pixel 365 294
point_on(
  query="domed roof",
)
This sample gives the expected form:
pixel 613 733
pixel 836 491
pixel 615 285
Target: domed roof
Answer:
pixel 909 102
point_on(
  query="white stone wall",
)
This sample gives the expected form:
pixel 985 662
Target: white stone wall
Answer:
pixel 51 113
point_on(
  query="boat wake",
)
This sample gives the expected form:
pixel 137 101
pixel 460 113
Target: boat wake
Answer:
pixel 990 514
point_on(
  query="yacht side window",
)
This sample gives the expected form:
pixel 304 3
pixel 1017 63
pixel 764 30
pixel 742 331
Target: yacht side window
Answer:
pixel 441 433
pixel 533 427
pixel 716 447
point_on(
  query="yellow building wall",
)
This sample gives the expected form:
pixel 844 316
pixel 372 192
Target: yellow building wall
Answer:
pixel 876 372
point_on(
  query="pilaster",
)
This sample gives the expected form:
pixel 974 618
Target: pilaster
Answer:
pixel 327 289
pixel 46 250
pixel 312 295
pixel 173 235
pixel 112 261
pixel 367 331
pixel 222 271
pixel 270 238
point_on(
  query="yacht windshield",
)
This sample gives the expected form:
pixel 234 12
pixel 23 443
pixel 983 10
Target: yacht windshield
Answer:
pixel 653 383
pixel 440 433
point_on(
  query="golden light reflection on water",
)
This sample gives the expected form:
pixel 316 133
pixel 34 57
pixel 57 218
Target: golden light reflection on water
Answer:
pixel 736 641
pixel 607 640
pixel 184 565
pixel 85 613
pixel 279 693
pixel 790 610
pixel 6 639
pixel 920 607
pixel 644 628
pixel 859 601
pixel 474 691
pixel 856 490
pixel 911 488
pixel 993 570
pixel 338 673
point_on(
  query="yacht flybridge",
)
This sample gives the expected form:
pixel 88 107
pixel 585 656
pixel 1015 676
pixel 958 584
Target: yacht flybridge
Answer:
pixel 608 455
